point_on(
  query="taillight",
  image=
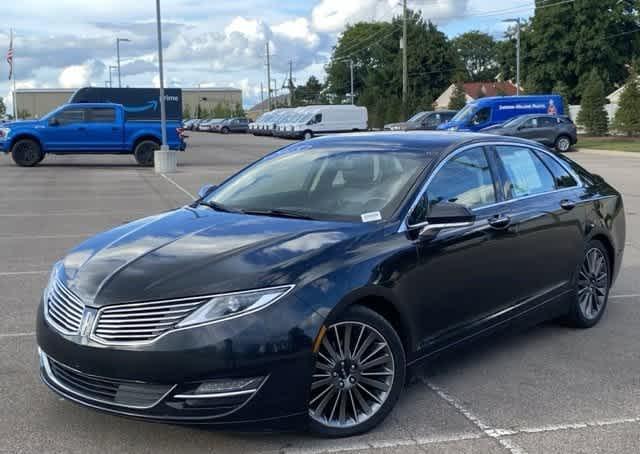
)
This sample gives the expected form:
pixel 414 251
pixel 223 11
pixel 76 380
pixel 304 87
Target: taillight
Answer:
pixel 180 132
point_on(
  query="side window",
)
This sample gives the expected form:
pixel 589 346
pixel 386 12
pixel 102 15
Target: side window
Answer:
pixel 481 116
pixel 317 118
pixel 465 179
pixel 547 122
pixel 526 173
pixel 70 116
pixel 530 123
pixel 562 178
pixel 432 120
pixel 102 116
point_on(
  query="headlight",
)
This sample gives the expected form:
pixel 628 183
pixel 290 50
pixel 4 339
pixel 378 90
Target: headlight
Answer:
pixel 234 305
pixel 453 128
pixel 4 132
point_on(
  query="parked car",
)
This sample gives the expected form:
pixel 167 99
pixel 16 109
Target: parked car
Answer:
pixel 296 293
pixel 239 125
pixel 192 125
pixel 271 121
pixel 485 112
pixel 210 125
pixel 550 130
pixel 330 119
pixel 427 121
pixel 87 129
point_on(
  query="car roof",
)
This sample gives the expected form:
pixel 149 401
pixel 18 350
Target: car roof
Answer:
pixel 433 142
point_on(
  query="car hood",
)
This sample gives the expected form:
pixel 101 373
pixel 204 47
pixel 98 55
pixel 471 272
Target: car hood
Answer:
pixel 21 124
pixel 193 252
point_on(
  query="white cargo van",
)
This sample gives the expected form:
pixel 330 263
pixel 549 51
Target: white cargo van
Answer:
pixel 329 119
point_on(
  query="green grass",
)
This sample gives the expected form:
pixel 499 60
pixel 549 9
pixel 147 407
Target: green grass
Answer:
pixel 610 143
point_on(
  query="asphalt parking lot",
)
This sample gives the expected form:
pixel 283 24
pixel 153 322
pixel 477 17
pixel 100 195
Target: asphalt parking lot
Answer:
pixel 549 390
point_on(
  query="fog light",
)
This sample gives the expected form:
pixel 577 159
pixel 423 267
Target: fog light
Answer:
pixel 223 388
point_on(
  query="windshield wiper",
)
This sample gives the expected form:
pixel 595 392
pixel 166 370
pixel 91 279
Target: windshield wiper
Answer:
pixel 278 213
pixel 216 206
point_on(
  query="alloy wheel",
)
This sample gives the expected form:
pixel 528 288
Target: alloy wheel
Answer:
pixel 593 283
pixel 353 377
pixel 564 144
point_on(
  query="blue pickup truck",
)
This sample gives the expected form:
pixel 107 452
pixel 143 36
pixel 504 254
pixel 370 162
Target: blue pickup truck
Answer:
pixel 86 128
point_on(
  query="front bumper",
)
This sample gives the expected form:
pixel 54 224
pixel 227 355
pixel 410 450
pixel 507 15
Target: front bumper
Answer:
pixel 156 382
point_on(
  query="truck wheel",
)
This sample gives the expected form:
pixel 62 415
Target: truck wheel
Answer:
pixel 26 153
pixel 563 144
pixel 308 135
pixel 144 152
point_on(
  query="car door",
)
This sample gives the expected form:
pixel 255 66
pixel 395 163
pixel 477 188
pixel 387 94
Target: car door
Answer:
pixel 104 132
pixel 66 130
pixel 481 119
pixel 463 270
pixel 547 130
pixel 431 122
pixel 543 206
pixel 528 129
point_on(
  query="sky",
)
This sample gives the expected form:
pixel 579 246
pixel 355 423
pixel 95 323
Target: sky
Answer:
pixel 72 43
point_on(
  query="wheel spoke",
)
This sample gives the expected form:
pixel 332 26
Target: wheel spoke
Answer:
pixel 363 403
pixel 376 362
pixel 368 341
pixel 317 384
pixel 326 344
pixel 353 406
pixel 382 386
pixel 338 342
pixel 347 341
pixel 375 351
pixel 329 388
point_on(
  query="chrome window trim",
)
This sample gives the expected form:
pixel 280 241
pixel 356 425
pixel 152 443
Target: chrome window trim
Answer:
pixel 404 226
pixel 94 337
pixel 44 360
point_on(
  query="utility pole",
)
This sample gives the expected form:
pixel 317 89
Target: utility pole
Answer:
pixel 268 76
pixel 518 29
pixel 291 87
pixel 275 89
pixel 405 72
pixel 261 92
pixel 352 92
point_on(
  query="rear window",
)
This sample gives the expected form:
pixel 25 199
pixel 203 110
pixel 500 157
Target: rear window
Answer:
pixel 563 179
pixel 102 115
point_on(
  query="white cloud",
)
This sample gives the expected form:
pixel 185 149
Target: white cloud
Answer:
pixel 299 29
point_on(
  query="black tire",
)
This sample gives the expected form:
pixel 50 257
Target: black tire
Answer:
pixel 308 135
pixel 563 144
pixel 348 375
pixel 225 130
pixel 587 313
pixel 27 153
pixel 144 152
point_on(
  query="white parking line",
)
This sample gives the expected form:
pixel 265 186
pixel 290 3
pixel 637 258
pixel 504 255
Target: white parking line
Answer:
pixel 178 186
pixel 22 273
pixel 11 335
pixel 631 295
pixel 44 237
pixel 496 434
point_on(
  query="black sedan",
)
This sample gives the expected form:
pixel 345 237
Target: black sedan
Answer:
pixel 297 292
pixel 556 132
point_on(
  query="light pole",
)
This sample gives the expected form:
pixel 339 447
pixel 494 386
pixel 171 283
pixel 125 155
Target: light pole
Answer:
pixel 165 160
pixel 111 69
pixel 118 41
pixel 517 22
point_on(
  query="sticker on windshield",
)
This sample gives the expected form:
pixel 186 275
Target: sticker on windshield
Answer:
pixel 371 217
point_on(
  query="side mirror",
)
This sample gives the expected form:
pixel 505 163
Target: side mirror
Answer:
pixel 206 190
pixel 54 122
pixel 447 215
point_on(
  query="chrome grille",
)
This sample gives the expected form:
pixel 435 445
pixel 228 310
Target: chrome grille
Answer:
pixel 107 390
pixel 64 308
pixel 142 322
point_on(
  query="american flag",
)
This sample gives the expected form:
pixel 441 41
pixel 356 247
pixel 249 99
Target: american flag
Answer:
pixel 10 56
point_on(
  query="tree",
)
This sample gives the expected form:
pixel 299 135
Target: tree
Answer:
pixel 23 114
pixel 238 111
pixel 565 40
pixel 562 89
pixel 373 47
pixel 308 93
pixel 477 50
pixel 458 98
pixel 3 108
pixel 186 112
pixel 593 115
pixel 627 119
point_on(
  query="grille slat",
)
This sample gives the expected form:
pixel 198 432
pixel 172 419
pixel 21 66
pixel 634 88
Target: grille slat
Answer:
pixel 142 322
pixel 110 391
pixel 64 308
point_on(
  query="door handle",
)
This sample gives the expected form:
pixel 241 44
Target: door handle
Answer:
pixel 500 222
pixel 567 204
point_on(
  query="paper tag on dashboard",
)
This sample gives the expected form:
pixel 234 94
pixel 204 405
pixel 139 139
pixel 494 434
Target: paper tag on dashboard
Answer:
pixel 371 217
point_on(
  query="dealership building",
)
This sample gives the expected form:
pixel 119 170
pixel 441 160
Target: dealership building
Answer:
pixel 36 102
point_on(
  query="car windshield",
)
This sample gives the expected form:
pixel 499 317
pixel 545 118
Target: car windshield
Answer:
pixel 417 117
pixel 330 183
pixel 465 114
